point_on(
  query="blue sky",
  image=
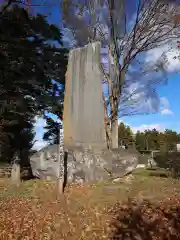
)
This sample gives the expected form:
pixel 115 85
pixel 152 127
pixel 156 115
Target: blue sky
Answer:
pixel 169 113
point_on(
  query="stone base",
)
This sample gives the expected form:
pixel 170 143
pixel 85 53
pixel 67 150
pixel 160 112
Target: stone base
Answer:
pixel 88 164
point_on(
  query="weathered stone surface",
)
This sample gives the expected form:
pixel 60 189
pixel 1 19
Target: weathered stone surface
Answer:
pixel 85 164
pixel 15 174
pixel 87 158
pixel 83 103
pixel 151 163
pixel 44 163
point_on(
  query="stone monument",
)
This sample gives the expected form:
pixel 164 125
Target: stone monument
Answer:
pixel 87 157
pixel 15 171
pixel 83 103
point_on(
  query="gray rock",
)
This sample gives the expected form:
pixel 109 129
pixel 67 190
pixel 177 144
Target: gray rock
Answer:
pixel 151 163
pixel 84 164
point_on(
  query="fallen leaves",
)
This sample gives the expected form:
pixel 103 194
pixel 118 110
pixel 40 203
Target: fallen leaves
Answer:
pixel 145 220
pixel 41 216
pixel 84 212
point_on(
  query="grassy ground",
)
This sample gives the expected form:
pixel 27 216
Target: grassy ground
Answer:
pixel 32 211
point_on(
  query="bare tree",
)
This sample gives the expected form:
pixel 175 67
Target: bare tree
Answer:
pixel 152 25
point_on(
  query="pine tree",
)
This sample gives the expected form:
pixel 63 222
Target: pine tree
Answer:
pixel 52 129
pixel 139 140
pixel 32 75
pixel 130 138
pixel 121 134
pixel 125 135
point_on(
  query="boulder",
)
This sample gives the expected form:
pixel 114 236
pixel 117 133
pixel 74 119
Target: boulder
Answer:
pixel 84 164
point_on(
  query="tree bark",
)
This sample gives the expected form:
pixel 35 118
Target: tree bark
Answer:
pixel 114 132
pixel 107 125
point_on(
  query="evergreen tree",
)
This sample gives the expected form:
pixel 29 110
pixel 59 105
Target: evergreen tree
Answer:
pixel 130 137
pixel 52 128
pixel 121 134
pixel 171 139
pixel 139 141
pixel 125 135
pixel 162 142
pixel 154 140
pixel 32 75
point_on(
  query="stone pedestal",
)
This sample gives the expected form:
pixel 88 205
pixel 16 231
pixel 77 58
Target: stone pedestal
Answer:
pixel 87 164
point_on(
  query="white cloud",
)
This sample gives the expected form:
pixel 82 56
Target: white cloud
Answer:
pixel 171 53
pixel 165 107
pixel 166 111
pixel 144 127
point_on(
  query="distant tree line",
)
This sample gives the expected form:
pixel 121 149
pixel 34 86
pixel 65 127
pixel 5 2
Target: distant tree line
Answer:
pixel 142 141
pixel 149 139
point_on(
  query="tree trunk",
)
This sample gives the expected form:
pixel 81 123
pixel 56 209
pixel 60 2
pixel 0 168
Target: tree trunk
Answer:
pixel 114 132
pixel 107 125
pixel 108 136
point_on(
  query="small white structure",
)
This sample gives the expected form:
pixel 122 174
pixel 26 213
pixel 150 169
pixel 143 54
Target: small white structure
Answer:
pixel 141 166
pixel 178 147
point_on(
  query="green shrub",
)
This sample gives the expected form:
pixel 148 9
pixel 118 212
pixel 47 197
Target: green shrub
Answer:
pixel 143 159
pixel 169 160
pixel 151 173
pixel 173 161
pixel 158 174
pixel 161 159
pixel 141 172
pixel 151 169
pixel 146 152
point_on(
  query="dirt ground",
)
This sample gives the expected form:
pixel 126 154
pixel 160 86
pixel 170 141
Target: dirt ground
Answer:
pixel 32 210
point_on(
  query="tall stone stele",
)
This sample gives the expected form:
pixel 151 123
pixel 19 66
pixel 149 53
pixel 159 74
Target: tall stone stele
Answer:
pixel 83 119
pixel 83 104
pixel 86 157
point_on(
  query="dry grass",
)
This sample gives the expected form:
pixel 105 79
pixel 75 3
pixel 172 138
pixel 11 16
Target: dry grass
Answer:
pixel 32 211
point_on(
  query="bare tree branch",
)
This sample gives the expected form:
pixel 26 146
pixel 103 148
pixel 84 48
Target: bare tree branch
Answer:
pixel 154 24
